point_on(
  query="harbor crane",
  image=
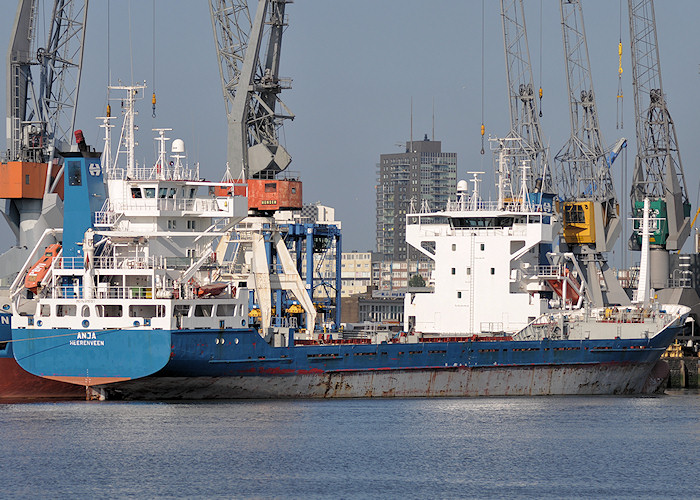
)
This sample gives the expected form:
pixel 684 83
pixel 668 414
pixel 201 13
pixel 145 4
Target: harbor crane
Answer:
pixel 43 79
pixel 591 221
pixel 252 85
pixel 255 112
pixel 41 108
pixel 658 170
pixel 524 140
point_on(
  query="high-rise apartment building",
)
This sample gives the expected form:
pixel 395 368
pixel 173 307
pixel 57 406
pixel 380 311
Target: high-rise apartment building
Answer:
pixel 421 173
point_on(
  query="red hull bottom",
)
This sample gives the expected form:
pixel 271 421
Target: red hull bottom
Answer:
pixel 15 383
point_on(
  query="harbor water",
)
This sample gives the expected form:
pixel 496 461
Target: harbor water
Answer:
pixel 520 447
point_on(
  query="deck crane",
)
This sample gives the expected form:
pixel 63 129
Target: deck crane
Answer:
pixel 658 171
pixel 42 94
pixel 252 88
pixel 524 140
pixel 591 222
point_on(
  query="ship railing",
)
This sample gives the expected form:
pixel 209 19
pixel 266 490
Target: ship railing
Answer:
pixel 106 218
pixel 491 206
pixel 68 292
pixel 69 263
pixel 169 205
pixel 102 291
pixel 627 314
pixel 548 272
pixel 169 173
pixel 543 327
pixel 491 327
pixel 489 231
pixel 78 263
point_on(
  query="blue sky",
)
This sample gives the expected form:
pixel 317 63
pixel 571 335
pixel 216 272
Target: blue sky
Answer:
pixel 355 67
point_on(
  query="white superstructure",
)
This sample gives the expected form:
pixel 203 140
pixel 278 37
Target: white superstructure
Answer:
pixel 486 256
pixel 149 257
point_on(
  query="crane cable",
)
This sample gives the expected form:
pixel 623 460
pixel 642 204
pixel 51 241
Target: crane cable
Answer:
pixel 153 99
pixel 483 127
pixel 620 99
pixel 541 58
pixel 109 71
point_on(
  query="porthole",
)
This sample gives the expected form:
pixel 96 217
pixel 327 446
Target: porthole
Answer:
pixel 137 323
pixel 85 323
pixel 39 323
pixel 236 341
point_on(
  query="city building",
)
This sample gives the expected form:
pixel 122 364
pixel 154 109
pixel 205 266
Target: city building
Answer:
pixel 356 272
pixel 374 307
pixel 422 174
pixel 397 274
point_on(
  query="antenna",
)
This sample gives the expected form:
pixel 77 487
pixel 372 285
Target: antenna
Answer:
pixel 411 136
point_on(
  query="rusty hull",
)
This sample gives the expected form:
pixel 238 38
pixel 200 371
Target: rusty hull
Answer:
pixel 588 379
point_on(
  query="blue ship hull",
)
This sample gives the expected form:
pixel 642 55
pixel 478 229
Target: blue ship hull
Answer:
pixel 16 383
pixel 193 364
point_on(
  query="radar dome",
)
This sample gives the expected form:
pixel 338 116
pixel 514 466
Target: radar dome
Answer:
pixel 178 146
pixel 462 186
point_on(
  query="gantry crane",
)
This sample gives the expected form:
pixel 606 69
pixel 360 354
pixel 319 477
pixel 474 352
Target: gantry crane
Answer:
pixel 591 222
pixel 524 140
pixel 42 95
pixel 658 171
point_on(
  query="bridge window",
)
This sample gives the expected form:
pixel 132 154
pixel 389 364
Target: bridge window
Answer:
pixel 109 311
pixel 45 310
pixel 203 310
pixel 149 311
pixel 150 192
pixel 86 311
pixel 181 310
pixel 226 309
pixel 65 310
pixel 136 192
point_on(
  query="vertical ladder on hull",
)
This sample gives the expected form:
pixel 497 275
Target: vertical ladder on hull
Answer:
pixel 470 279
